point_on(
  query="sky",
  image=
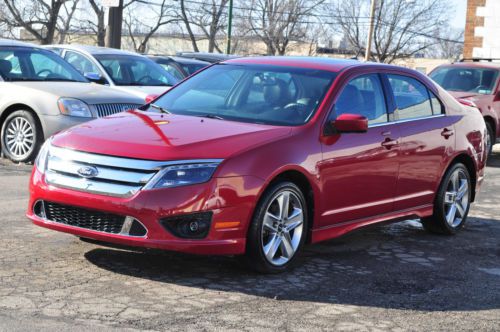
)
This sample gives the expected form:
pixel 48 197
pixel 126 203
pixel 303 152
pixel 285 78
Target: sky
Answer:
pixel 458 20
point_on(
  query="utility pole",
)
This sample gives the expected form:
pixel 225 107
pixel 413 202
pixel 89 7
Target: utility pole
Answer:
pixel 370 32
pixel 115 19
pixel 229 27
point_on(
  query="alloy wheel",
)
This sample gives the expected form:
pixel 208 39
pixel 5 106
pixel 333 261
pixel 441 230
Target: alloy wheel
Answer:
pixel 282 227
pixel 456 200
pixel 19 137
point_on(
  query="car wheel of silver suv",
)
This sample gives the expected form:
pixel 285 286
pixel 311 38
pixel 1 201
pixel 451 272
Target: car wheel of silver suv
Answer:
pixel 21 136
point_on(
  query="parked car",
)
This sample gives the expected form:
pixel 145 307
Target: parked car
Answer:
pixel 127 71
pixel 475 83
pixel 41 94
pixel 208 57
pixel 179 67
pixel 257 156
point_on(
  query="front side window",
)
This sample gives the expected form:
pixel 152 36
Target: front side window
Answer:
pixel 364 96
pixel 251 93
pixel 466 79
pixel 412 97
pixel 135 70
pixel 32 64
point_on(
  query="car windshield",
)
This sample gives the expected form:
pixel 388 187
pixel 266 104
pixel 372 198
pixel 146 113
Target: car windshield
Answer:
pixel 466 79
pixel 250 93
pixel 33 64
pixel 135 70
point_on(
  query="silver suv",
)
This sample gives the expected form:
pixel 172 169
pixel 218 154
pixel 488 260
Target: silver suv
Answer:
pixel 41 94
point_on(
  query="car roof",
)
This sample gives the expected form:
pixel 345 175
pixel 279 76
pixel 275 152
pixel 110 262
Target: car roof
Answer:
pixel 323 63
pixel 206 56
pixel 11 42
pixel 473 64
pixel 94 50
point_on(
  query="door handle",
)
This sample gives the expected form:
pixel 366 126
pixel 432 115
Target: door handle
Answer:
pixel 447 133
pixel 388 143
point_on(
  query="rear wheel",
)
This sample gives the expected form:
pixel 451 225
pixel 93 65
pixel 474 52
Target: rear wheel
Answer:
pixel 452 202
pixel 278 229
pixel 21 136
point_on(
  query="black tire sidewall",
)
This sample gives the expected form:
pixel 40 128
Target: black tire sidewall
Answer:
pixel 254 252
pixel 439 214
pixel 37 135
pixel 491 135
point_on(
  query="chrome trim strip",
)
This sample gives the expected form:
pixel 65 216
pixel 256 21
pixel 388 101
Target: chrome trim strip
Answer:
pixel 405 120
pixel 119 162
pixel 90 186
pixel 72 167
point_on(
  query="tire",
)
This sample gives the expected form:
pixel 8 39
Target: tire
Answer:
pixel 491 138
pixel 21 136
pixel 451 205
pixel 284 236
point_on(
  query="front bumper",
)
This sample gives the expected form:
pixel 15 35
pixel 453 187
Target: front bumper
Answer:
pixel 231 200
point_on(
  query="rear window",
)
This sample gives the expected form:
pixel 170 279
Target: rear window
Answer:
pixel 469 79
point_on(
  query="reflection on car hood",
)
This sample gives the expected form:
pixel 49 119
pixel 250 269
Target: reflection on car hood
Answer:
pixel 142 91
pixel 155 136
pixel 88 92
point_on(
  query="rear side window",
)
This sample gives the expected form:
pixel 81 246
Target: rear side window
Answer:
pixel 412 98
pixel 364 96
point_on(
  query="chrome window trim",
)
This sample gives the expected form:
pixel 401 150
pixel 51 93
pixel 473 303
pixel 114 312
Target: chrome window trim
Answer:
pixel 406 120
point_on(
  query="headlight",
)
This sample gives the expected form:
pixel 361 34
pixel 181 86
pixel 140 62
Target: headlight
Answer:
pixel 41 159
pixel 74 107
pixel 183 175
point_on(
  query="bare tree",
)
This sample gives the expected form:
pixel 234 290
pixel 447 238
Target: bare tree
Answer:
pixel 209 20
pixel 141 30
pixel 450 43
pixel 278 22
pixel 402 27
pixel 43 19
pixel 97 23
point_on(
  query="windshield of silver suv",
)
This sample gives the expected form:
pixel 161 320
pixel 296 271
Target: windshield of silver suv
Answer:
pixel 466 79
pixel 32 64
pixel 135 70
pixel 250 93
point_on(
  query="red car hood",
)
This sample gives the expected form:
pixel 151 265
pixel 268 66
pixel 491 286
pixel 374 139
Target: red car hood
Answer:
pixel 154 136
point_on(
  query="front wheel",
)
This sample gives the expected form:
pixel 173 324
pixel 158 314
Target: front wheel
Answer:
pixel 21 136
pixel 490 139
pixel 452 202
pixel 278 229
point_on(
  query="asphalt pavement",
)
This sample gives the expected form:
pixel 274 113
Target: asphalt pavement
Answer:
pixel 384 278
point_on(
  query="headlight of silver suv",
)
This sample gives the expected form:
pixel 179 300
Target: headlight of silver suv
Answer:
pixel 43 154
pixel 183 175
pixel 74 107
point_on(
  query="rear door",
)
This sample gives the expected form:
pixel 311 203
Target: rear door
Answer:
pixel 359 170
pixel 427 138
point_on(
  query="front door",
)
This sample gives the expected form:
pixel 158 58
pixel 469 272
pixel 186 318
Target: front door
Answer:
pixel 359 170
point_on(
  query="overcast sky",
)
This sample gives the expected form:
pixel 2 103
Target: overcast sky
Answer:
pixel 459 18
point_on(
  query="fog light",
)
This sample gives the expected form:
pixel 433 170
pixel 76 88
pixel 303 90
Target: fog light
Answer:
pixel 188 226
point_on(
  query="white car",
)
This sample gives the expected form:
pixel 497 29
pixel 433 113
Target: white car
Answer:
pixel 41 94
pixel 123 70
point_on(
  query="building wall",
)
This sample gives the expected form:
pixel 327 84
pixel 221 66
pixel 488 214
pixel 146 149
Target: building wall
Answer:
pixel 482 29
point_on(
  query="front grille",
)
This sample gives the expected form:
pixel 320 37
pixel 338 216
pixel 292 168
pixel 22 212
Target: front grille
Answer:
pixel 89 219
pixel 78 217
pixel 103 110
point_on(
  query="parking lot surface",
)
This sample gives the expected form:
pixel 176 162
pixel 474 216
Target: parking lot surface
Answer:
pixel 386 278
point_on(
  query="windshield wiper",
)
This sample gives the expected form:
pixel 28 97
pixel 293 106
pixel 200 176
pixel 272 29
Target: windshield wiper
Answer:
pixel 211 116
pixel 161 109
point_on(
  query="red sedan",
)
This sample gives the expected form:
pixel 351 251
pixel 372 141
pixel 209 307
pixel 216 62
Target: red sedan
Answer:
pixel 258 156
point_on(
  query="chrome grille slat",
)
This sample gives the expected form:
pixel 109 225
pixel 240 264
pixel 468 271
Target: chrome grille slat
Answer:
pixel 103 110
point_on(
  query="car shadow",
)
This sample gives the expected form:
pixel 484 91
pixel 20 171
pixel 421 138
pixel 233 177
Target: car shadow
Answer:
pixel 396 266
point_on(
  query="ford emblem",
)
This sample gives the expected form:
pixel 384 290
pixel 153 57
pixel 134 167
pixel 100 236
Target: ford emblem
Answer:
pixel 88 172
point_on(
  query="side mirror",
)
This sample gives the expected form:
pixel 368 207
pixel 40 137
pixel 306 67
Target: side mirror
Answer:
pixel 497 96
pixel 95 78
pixel 350 123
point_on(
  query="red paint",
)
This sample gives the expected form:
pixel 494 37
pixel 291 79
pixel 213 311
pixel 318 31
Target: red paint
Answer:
pixel 388 173
pixel 351 123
